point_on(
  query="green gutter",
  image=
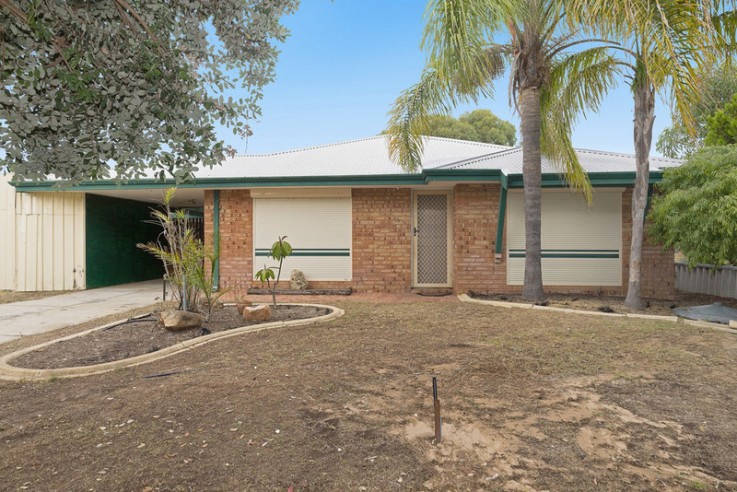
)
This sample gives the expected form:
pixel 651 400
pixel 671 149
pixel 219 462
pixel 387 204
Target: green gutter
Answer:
pixel 551 180
pixel 500 221
pixel 216 236
pixel 422 178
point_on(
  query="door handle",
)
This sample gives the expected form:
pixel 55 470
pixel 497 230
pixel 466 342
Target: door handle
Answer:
pixel 415 231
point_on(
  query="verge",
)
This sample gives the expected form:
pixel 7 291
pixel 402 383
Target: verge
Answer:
pixel 11 373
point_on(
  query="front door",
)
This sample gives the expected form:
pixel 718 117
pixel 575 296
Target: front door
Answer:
pixel 432 239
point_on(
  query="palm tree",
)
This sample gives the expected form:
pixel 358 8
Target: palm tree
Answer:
pixel 664 46
pixel 556 73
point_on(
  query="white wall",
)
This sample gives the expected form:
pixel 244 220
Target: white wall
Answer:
pixel 318 228
pixel 582 244
pixel 7 234
pixel 42 240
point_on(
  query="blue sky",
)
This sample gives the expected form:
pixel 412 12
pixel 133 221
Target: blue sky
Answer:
pixel 345 63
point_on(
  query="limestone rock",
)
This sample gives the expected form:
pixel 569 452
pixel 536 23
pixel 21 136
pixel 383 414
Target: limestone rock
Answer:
pixel 257 314
pixel 181 320
pixel 242 304
pixel 298 281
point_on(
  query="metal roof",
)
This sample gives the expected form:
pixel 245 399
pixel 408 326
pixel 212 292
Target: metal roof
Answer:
pixel 593 161
pixel 370 157
pixel 364 157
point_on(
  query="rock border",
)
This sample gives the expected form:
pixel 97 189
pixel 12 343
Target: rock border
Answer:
pixel 672 319
pixel 12 373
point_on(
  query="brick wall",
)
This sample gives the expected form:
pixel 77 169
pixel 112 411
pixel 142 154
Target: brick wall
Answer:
pixel 475 216
pixel 658 265
pixel 236 235
pixel 382 242
pixel 474 267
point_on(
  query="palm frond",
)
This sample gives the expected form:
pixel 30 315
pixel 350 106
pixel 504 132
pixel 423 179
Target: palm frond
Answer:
pixel 457 35
pixel 577 84
pixel 409 118
pixel 436 93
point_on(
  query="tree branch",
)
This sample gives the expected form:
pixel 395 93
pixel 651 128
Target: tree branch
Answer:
pixel 15 10
pixel 125 5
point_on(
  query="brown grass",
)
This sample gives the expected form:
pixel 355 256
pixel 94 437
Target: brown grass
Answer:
pixel 531 401
pixel 7 296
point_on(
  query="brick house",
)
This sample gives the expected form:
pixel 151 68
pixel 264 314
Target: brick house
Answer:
pixel 357 220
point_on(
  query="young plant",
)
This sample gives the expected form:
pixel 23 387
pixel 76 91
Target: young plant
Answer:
pixel 279 251
pixel 204 276
pixel 179 250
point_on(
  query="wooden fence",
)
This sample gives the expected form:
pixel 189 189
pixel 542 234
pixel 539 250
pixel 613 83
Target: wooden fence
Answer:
pixel 704 279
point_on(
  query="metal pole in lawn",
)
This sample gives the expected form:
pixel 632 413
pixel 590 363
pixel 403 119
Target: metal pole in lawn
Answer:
pixel 436 406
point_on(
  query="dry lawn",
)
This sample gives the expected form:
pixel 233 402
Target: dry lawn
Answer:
pixel 531 401
pixel 7 296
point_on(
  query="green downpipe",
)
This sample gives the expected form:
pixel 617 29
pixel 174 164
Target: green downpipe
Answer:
pixel 216 234
pixel 500 223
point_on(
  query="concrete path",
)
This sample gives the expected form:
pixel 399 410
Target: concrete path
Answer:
pixel 24 318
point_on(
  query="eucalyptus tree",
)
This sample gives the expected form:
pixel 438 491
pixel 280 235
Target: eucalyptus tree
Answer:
pixel 664 46
pixel 556 72
pixel 139 85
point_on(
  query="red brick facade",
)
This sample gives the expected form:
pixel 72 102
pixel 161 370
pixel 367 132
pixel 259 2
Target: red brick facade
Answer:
pixel 382 239
pixel 658 265
pixel 236 235
pixel 475 219
pixel 382 244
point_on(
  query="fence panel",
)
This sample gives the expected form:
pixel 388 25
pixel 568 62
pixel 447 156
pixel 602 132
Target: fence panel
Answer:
pixel 704 279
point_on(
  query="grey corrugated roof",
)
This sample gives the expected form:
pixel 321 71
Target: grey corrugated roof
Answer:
pixel 368 156
pixel 593 161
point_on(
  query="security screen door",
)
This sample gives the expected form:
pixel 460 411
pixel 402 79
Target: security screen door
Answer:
pixel 431 231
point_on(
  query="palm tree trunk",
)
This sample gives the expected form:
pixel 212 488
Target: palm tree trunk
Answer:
pixel 529 104
pixel 643 133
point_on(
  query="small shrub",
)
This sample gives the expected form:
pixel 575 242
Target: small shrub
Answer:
pixel 279 251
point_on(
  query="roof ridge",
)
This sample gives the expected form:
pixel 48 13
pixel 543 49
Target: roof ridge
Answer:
pixel 467 142
pixel 466 162
pixel 623 154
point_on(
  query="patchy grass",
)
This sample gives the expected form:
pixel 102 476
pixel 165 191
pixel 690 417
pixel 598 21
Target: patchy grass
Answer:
pixel 7 296
pixel 531 401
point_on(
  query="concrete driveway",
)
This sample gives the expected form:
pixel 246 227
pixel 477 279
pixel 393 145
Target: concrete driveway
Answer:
pixel 24 318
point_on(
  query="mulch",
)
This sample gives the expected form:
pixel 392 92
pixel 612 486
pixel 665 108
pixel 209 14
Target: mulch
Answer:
pixel 142 335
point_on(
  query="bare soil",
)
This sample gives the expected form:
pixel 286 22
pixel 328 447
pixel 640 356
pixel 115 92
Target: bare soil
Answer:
pixel 611 304
pixel 531 401
pixel 142 335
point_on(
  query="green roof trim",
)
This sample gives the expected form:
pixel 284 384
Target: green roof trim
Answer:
pixel 417 179
pixel 553 180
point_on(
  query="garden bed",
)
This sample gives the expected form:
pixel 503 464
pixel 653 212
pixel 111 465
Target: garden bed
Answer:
pixel 609 304
pixel 143 335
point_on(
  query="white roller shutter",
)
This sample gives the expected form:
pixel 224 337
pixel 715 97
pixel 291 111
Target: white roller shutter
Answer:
pixel 581 244
pixel 318 228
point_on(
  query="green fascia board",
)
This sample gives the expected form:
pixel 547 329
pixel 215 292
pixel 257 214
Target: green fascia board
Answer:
pixel 500 219
pixel 552 180
pixel 422 178
pixel 549 180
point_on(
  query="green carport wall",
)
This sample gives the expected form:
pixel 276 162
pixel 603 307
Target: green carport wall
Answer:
pixel 113 228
